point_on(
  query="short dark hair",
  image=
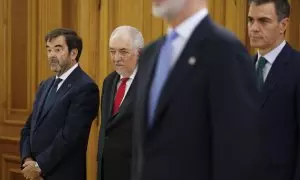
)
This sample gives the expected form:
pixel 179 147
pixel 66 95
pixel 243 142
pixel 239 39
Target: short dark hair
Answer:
pixel 73 41
pixel 282 7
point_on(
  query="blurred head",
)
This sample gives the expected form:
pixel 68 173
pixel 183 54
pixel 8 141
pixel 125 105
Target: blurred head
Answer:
pixel 124 46
pixel 176 11
pixel 63 49
pixel 167 9
pixel 267 23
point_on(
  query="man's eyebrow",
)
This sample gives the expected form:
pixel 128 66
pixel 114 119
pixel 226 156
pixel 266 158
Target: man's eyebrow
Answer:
pixel 260 18
pixel 265 19
pixel 58 45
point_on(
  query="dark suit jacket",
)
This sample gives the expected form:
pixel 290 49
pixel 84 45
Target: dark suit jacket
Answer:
pixel 280 117
pixel 205 124
pixel 115 139
pixel 57 137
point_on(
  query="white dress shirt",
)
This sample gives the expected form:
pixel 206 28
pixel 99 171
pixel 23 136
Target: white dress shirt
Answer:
pixel 184 31
pixel 128 83
pixel 270 57
pixel 65 75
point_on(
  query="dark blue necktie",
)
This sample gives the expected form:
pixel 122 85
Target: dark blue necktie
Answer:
pixel 52 94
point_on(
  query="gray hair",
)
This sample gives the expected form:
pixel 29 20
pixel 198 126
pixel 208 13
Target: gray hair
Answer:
pixel 135 34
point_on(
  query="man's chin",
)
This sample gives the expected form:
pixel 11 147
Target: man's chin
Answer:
pixel 122 73
pixel 163 13
pixel 159 11
pixel 54 69
pixel 255 44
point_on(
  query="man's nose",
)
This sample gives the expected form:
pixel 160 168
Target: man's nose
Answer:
pixel 254 26
pixel 117 56
pixel 51 54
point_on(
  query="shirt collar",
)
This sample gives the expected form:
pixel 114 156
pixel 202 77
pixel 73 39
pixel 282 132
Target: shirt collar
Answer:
pixel 66 74
pixel 186 28
pixel 132 75
pixel 272 55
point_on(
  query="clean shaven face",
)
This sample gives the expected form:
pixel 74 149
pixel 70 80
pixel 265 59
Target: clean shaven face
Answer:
pixel 123 54
pixel 264 28
pixel 167 9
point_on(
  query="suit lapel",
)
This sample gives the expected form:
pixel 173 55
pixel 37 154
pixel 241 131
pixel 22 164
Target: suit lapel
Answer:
pixel 128 98
pixel 123 108
pixel 145 76
pixel 186 62
pixel 65 87
pixel 42 100
pixel 111 99
pixel 275 72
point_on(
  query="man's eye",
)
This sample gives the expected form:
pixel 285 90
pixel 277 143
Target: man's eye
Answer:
pixel 123 52
pixel 57 50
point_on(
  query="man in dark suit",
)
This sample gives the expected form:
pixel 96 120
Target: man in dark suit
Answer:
pixel 115 139
pixel 196 102
pixel 55 137
pixel 278 74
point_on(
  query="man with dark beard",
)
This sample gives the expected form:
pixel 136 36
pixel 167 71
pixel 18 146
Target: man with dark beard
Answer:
pixel 54 139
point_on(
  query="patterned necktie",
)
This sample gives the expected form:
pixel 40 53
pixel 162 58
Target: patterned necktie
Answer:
pixel 259 72
pixel 162 70
pixel 120 95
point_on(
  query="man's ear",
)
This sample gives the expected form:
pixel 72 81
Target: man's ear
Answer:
pixel 284 24
pixel 74 53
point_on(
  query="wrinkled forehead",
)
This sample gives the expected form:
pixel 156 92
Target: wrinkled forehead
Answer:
pixel 121 40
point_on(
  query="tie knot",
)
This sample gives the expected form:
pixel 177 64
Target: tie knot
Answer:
pixel 261 62
pixel 124 80
pixel 171 36
pixel 57 81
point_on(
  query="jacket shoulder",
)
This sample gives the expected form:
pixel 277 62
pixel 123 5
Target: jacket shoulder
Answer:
pixel 111 76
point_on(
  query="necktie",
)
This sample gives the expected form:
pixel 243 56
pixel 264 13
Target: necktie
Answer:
pixel 119 95
pixel 52 94
pixel 259 71
pixel 161 73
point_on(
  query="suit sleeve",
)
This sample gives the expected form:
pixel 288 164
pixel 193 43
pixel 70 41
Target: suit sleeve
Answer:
pixel 25 140
pixel 137 136
pixel 101 136
pixel 233 102
pixel 102 98
pixel 82 111
pixel 25 150
pixel 102 125
pixel 297 171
